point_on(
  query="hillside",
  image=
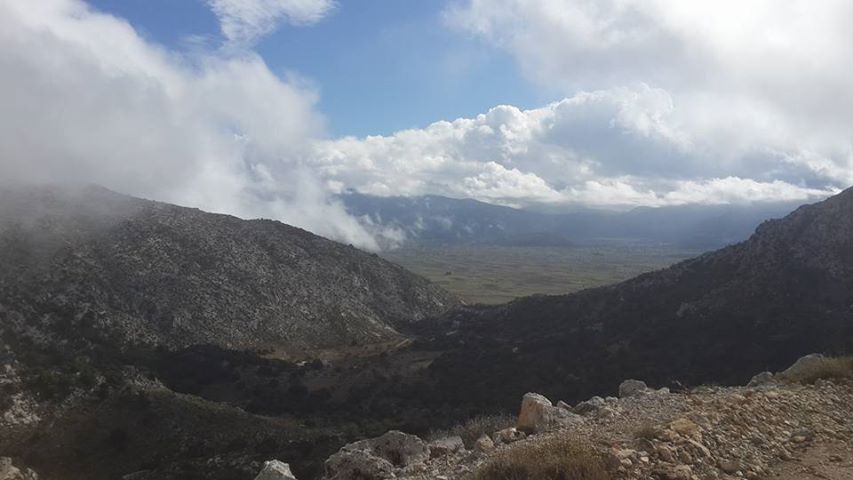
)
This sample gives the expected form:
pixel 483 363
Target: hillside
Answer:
pixel 786 291
pixel 150 273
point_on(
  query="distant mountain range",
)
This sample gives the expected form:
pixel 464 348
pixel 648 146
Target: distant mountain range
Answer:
pixel 440 220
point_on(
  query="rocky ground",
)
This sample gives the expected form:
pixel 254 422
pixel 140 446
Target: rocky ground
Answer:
pixel 770 429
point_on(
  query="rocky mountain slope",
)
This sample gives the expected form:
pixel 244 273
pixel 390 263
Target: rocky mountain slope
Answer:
pixel 90 260
pixel 786 291
pixel 773 427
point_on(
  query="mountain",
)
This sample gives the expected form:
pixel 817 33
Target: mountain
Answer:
pixel 434 219
pixel 156 274
pixel 756 305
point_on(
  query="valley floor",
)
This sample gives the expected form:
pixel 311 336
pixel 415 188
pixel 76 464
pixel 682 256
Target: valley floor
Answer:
pixel 498 274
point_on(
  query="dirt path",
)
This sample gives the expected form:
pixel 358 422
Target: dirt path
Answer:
pixel 824 461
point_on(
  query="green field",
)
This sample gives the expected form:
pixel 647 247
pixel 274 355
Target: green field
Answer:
pixel 487 274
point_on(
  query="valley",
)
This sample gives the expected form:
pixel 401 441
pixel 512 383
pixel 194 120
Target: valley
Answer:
pixel 492 274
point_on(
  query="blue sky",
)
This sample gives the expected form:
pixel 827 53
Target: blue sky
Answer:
pixel 379 65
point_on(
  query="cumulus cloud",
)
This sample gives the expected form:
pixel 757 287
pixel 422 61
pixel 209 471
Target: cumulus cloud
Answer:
pixel 86 99
pixel 244 21
pixel 758 86
pixel 618 147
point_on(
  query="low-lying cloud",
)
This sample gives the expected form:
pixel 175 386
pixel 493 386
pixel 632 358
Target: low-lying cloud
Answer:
pixel 86 99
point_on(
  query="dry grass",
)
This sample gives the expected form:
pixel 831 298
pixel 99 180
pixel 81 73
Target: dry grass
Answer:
pixel 835 368
pixel 472 429
pixel 647 432
pixel 558 458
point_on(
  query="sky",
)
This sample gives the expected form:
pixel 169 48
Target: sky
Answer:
pixel 269 108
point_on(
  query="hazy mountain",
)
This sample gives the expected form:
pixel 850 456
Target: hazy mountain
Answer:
pixel 440 220
pixel 151 273
pixel 785 292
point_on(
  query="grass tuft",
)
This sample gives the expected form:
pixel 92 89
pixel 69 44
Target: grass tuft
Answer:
pixel 472 429
pixel 557 458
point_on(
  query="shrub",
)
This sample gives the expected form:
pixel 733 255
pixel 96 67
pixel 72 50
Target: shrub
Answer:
pixel 472 429
pixel 558 458
pixel 825 368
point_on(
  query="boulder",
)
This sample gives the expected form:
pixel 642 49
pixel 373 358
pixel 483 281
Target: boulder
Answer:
pixel 349 465
pixel 629 388
pixel 446 446
pixel 590 406
pixel 508 435
pixel 539 415
pixel 376 458
pixel 762 378
pixel 275 470
pixel 484 444
pixel 803 363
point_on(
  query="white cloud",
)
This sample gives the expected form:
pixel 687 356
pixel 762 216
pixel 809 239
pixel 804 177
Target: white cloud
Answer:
pixel 666 102
pixel 86 99
pixel 617 147
pixel 244 21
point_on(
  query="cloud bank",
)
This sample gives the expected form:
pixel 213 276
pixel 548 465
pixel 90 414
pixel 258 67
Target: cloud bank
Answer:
pixel 86 99
pixel 620 147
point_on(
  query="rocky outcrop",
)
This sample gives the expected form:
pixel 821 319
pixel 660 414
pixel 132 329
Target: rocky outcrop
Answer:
pixel 377 458
pixel 539 415
pixel 630 388
pixel 275 470
pixel 803 364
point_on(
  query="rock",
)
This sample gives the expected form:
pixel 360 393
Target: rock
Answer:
pixel 630 388
pixel 508 435
pixel 349 465
pixel 446 446
pixel 762 378
pixel 275 470
pixel 677 472
pixel 539 415
pixel 684 427
pixel 564 405
pixel 484 444
pixel 8 471
pixel 590 406
pixel 376 458
pixel 803 363
pixel 729 466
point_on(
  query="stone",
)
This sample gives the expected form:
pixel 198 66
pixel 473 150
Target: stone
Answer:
pixel 446 446
pixel 539 415
pixel 677 472
pixel 564 405
pixel 376 458
pixel 629 388
pixel 590 406
pixel 684 427
pixel 347 465
pixel 729 466
pixel 484 444
pixel 508 435
pixel 275 470
pixel 803 363
pixel 762 378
